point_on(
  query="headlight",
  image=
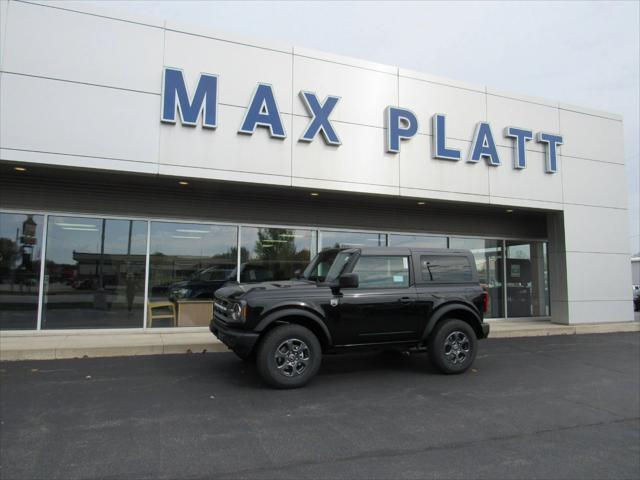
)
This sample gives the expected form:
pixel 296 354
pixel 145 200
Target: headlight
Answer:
pixel 238 312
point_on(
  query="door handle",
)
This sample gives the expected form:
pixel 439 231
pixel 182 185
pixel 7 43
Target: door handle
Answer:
pixel 406 300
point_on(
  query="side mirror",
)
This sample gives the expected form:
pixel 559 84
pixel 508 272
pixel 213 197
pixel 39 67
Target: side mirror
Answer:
pixel 348 280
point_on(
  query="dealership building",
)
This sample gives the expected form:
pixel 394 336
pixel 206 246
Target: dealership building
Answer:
pixel 142 162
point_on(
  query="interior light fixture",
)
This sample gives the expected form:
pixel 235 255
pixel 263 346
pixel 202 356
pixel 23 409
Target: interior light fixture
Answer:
pixel 20 169
pixel 185 236
pixel 188 230
pixel 508 210
pixel 77 225
pixel 314 194
pixel 183 183
pixel 422 203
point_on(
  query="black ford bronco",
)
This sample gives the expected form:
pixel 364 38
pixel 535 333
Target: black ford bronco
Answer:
pixel 404 299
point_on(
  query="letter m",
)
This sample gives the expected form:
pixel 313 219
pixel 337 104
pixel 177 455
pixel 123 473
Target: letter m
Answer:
pixel 175 96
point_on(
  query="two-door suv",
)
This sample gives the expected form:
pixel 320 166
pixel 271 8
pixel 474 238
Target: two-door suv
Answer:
pixel 403 299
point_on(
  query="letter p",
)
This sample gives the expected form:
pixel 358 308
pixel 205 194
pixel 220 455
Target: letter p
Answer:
pixel 401 124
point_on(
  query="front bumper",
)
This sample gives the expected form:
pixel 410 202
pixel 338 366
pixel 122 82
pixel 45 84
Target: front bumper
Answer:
pixel 485 329
pixel 239 341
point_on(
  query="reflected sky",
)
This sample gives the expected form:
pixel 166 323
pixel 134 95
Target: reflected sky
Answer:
pixel 192 239
pixel 418 241
pixel 84 235
pixel 332 239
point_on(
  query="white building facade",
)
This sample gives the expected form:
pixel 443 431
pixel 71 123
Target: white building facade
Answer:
pixel 143 163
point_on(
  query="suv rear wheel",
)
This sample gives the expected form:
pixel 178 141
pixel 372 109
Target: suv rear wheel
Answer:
pixel 452 346
pixel 288 356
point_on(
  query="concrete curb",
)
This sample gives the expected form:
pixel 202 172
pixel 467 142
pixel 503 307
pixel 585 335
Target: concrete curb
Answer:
pixel 49 347
pixel 518 329
pixel 79 344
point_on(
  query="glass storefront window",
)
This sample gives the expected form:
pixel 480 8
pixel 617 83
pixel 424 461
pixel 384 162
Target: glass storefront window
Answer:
pixel 275 253
pixel 20 258
pixel 335 239
pixel 188 262
pixel 417 241
pixel 488 255
pixel 95 270
pixel 527 286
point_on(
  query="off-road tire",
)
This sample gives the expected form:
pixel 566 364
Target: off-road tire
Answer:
pixel 280 364
pixel 452 339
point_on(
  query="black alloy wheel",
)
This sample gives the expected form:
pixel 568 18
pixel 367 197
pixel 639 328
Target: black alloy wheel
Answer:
pixel 452 346
pixel 288 356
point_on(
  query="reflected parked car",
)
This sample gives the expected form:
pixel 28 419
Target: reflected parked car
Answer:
pixel 636 298
pixel 203 283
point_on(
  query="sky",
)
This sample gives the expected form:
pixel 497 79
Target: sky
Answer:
pixel 582 53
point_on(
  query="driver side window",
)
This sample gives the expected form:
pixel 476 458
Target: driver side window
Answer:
pixel 382 271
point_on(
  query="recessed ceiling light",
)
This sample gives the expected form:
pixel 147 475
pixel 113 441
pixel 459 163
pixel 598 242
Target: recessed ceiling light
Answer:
pixel 508 210
pixel 183 183
pixel 20 169
pixel 422 203
pixel 314 194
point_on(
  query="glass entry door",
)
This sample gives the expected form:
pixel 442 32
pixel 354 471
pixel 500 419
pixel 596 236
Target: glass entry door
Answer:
pixel 527 286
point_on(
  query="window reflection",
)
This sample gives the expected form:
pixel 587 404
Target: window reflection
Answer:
pixel 417 241
pixel 188 262
pixel 445 268
pixel 335 239
pixel 275 253
pixel 95 271
pixel 382 272
pixel 488 255
pixel 20 254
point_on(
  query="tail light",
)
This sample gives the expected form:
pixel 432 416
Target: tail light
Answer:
pixel 485 302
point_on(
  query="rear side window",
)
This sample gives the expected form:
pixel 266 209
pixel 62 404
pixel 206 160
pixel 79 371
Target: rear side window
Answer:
pixel 382 271
pixel 445 268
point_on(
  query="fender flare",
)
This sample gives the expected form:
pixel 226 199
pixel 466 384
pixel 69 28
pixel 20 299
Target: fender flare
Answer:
pixel 444 310
pixel 294 312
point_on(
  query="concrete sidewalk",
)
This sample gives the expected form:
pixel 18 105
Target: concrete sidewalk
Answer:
pixel 47 345
pixel 105 343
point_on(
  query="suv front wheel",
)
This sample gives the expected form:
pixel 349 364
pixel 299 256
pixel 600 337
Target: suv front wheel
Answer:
pixel 288 356
pixel 452 346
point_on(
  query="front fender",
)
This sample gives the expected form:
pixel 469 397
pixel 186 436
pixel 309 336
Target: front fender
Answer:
pixel 296 305
pixel 274 316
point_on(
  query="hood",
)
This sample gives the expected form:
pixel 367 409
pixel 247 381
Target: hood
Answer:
pixel 238 290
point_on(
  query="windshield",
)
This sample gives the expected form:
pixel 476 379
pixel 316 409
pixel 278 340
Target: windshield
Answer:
pixel 338 266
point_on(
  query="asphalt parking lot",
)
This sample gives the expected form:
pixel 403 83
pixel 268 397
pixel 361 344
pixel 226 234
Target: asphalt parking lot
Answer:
pixel 553 407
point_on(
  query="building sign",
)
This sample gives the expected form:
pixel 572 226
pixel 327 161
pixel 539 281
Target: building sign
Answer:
pixel 401 124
